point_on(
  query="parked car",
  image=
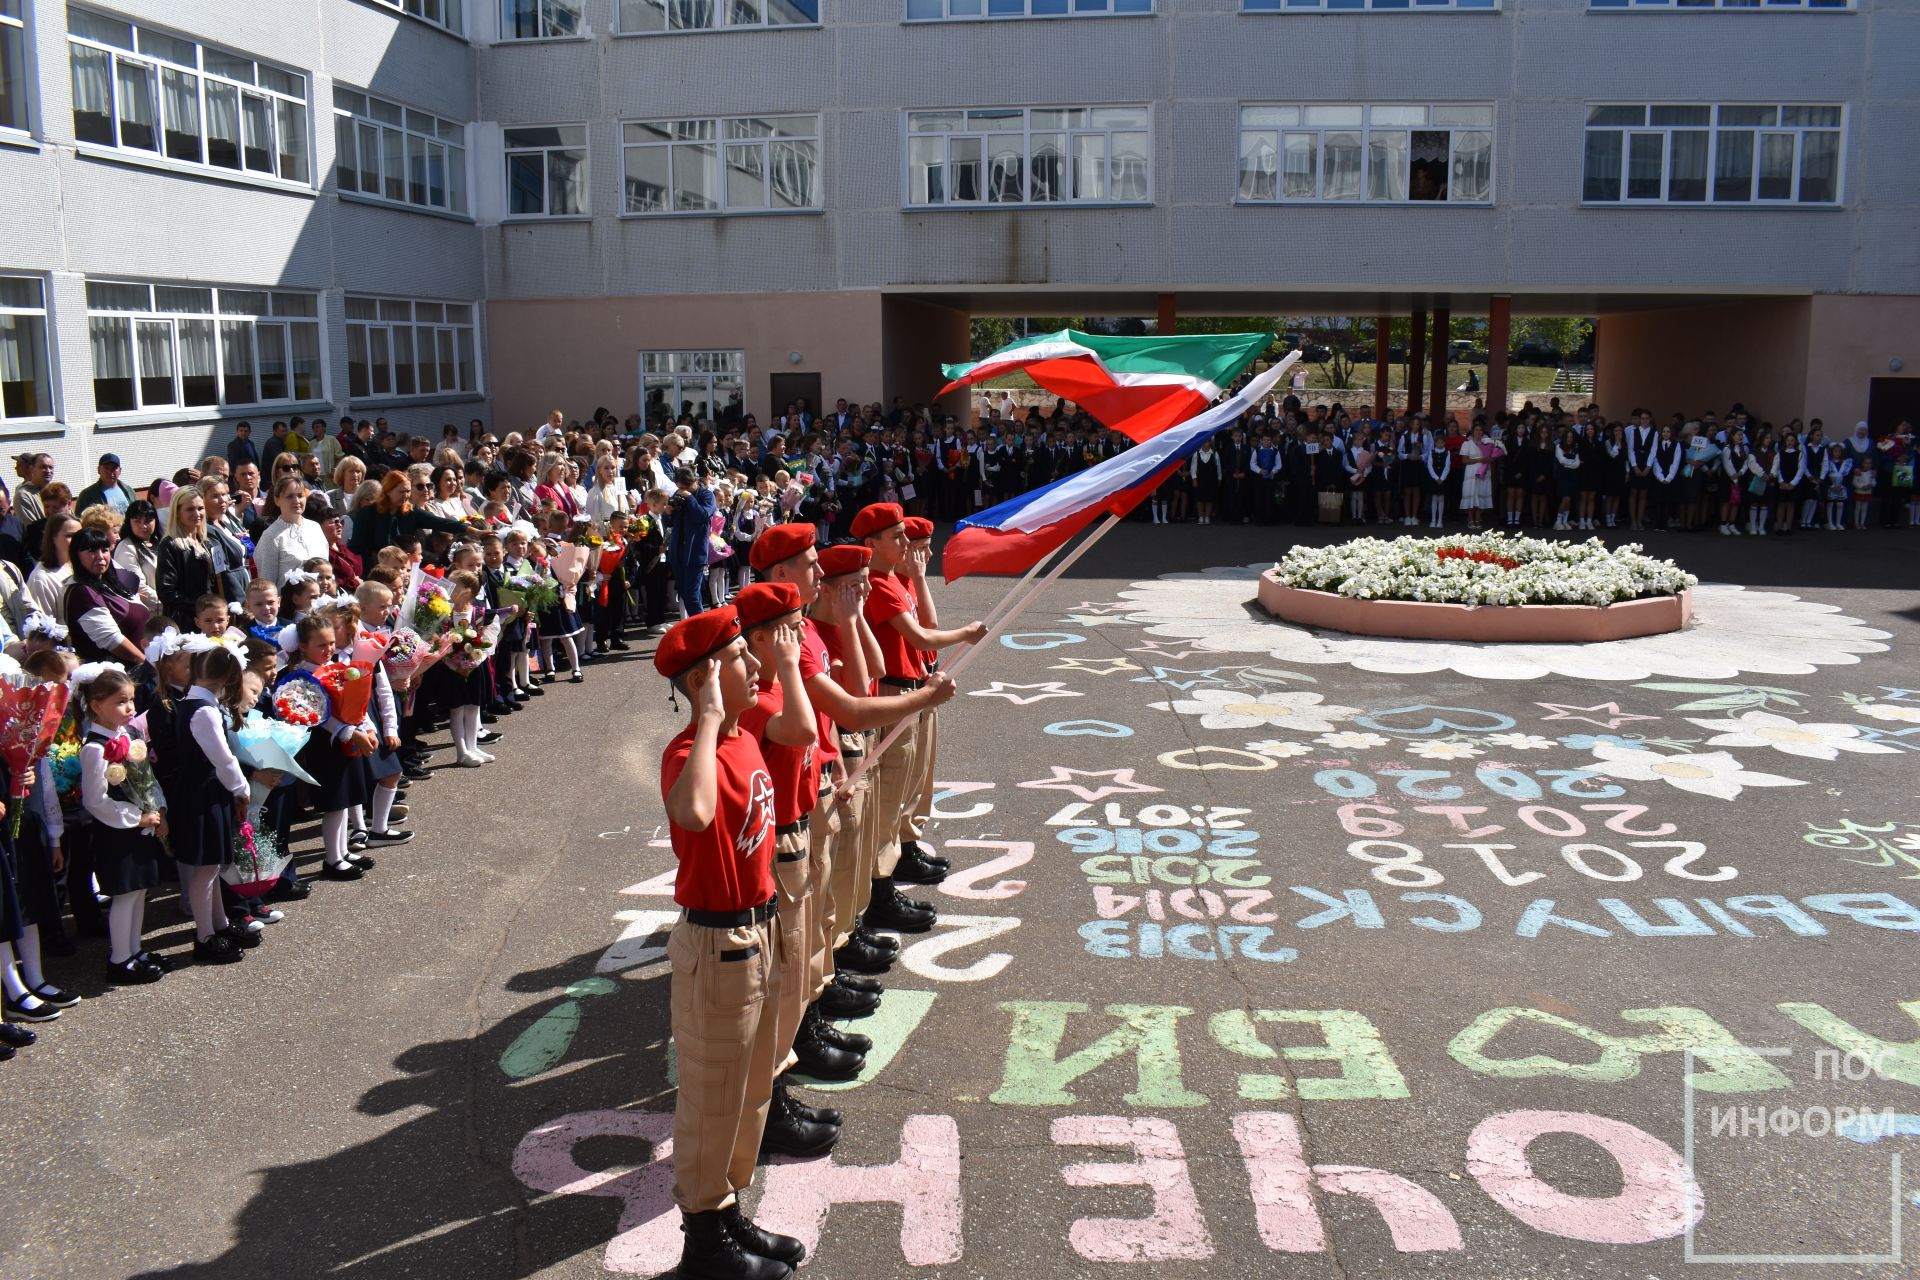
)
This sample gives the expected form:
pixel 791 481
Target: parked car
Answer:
pixel 1533 353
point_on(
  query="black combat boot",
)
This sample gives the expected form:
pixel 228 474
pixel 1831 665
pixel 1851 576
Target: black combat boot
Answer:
pixel 891 909
pixel 790 1133
pixel 852 1041
pixel 822 1058
pixel 845 1002
pixel 712 1253
pixel 765 1244
pixel 783 1095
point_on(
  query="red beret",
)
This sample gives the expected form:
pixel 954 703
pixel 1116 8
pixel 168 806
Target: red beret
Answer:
pixel 780 542
pixel 844 558
pixel 918 527
pixel 765 602
pixel 693 641
pixel 876 517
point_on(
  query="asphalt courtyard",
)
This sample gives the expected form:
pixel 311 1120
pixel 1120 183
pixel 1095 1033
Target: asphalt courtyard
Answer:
pixel 1266 953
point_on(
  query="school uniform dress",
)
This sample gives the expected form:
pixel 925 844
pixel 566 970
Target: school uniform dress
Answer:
pixel 126 856
pixel 340 781
pixel 205 779
pixel 454 689
pixel 562 619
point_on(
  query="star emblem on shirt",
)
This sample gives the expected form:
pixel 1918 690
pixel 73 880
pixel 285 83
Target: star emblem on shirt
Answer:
pixel 1607 715
pixel 1095 666
pixel 1021 695
pixel 1180 677
pixel 1118 782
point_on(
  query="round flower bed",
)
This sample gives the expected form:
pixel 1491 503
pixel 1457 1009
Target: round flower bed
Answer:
pixel 1479 587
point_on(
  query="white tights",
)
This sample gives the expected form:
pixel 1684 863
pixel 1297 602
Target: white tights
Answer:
pixel 333 836
pixel 200 886
pixel 565 642
pixel 1439 506
pixel 522 670
pixel 126 915
pixel 465 723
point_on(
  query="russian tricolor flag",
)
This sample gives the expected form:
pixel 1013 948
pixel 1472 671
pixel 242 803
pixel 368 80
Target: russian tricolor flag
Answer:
pixel 1017 534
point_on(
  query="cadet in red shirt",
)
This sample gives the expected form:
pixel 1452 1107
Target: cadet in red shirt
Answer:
pixel 917 864
pixel 891 611
pixel 720 812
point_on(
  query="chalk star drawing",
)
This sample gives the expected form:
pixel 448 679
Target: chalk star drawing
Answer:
pixel 1613 718
pixel 1114 606
pixel 1120 783
pixel 1090 620
pixel 1050 689
pixel 1155 649
pixel 1165 675
pixel 1095 666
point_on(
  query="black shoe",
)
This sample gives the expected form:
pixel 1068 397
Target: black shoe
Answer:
pixel 913 870
pixel 885 943
pixel 54 996
pixel 620 645
pixel 498 709
pixel 134 972
pixel 486 738
pixel 289 891
pixel 13 1037
pixel 762 1244
pixel 341 871
pixel 536 691
pixel 844 1002
pixel 576 678
pixel 822 1060
pixel 219 949
pixel 891 909
pixel 487 715
pixel 920 853
pixel 857 982
pixel 826 1032
pixel 357 859
pixel 241 936
pixel 711 1253
pixel 388 836
pixel 788 1133
pixel 861 958
pixel 355 843
pixel 783 1097
pixel 158 961
pixel 417 772
pixel 42 1012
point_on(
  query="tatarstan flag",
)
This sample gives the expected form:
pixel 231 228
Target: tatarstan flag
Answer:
pixel 1136 386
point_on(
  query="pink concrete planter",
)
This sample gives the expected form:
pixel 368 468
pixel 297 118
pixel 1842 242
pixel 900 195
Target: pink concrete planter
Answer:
pixel 1526 623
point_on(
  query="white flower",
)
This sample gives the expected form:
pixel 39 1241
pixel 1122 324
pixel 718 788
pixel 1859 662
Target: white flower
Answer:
pixel 116 774
pixel 1353 741
pixel 1705 773
pixel 1234 709
pixel 1815 741
pixel 1275 747
pixel 1520 741
pixel 1900 712
pixel 1444 750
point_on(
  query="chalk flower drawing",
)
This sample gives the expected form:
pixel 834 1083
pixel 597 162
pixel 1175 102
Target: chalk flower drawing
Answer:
pixel 1233 709
pixel 1353 741
pixel 1734 631
pixel 1282 750
pixel 1705 773
pixel 1443 750
pixel 1520 741
pixel 1898 712
pixel 1796 738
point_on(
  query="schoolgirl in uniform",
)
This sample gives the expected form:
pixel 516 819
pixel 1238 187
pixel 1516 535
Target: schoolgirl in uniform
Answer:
pixel 338 756
pixel 207 795
pixel 1733 465
pixel 1413 452
pixel 29 896
pixel 560 622
pixel 1668 455
pixel 126 823
pixel 1435 469
pixel 1789 478
pixel 1839 476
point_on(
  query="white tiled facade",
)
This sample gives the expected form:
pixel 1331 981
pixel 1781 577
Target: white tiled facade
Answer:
pixel 1189 65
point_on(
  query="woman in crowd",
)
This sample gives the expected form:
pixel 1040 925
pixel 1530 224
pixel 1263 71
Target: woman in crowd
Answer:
pixel 292 539
pixel 184 566
pixel 393 518
pixel 447 502
pixel 107 622
pixel 347 478
pixel 1478 455
pixel 1789 481
pixel 139 548
pixel 47 584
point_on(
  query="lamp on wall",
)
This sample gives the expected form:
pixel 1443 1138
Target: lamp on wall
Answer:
pixel 1896 364
pixel 794 357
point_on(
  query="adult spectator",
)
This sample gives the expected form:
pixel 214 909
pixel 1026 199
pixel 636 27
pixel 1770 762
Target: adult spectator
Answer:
pixel 244 494
pixel 139 547
pixel 184 569
pixel 446 501
pixel 393 516
pixel 276 445
pixel 241 448
pixel 347 567
pixel 292 539
pixel 55 500
pixel 36 473
pixel 47 584
pixel 609 495
pixel 229 549
pixel 346 483
pixel 106 618
pixel 108 488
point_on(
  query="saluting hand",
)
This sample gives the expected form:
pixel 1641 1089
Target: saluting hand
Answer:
pixel 786 643
pixel 707 703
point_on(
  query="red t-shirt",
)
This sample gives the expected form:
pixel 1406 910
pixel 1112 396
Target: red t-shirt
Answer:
pixel 888 601
pixel 795 770
pixel 830 637
pixel 729 866
pixel 815 660
pixel 927 656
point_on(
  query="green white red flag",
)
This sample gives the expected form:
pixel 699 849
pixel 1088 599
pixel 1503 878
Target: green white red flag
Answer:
pixel 1136 386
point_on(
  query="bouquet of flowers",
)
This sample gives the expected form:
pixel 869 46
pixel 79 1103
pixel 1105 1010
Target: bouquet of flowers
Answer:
pixel 129 762
pixel 530 589
pixel 261 743
pixel 407 655
pixel 301 700
pixel 30 715
pixel 426 605
pixel 349 687
pixel 471 646
pixel 370 646
pixel 257 861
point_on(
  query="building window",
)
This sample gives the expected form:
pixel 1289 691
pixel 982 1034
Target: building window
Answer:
pixel 645 16
pixel 1039 155
pixel 444 14
pixel 397 348
pixel 1369 6
pixel 397 154
pixel 185 347
pixel 1730 154
pixel 13 67
pixel 26 391
pixel 145 92
pixel 947 10
pixel 546 171
pixel 541 19
pixel 749 164
pixel 1750 6
pixel 702 385
pixel 1386 153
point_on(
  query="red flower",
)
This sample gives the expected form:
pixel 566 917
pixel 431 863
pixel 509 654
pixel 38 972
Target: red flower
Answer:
pixel 433 571
pixel 116 749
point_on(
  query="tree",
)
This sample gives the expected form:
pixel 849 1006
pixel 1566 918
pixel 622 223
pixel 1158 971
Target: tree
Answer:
pixel 1565 334
pixel 990 333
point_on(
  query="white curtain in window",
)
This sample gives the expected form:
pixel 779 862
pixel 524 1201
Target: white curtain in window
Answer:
pixel 156 349
pixel 137 120
pixel 112 347
pixel 14 360
pixel 567 177
pixel 92 86
pixel 223 118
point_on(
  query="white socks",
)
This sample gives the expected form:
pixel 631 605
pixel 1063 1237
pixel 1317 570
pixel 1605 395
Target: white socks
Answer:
pixel 200 887
pixel 465 723
pixel 1439 511
pixel 573 654
pixel 383 807
pixel 333 835
pixel 125 914
pixel 523 670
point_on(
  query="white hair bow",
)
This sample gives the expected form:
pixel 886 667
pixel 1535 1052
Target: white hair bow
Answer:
pixel 87 672
pixel 39 624
pixel 164 645
pixel 228 640
pixel 294 577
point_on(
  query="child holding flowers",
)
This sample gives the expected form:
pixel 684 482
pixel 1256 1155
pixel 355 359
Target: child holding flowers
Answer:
pixel 337 755
pixel 462 682
pixel 207 795
pixel 125 811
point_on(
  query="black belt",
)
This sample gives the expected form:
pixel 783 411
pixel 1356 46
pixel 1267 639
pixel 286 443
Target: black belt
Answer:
pixel 902 682
pixel 733 919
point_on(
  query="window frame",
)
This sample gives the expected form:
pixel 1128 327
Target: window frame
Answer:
pixel 416 9
pixel 50 365
pixel 1722 6
pixel 508 151
pixel 1715 128
pixel 218 318
pixel 720 7
pixel 467 354
pixel 1069 163
pixel 1365 131
pixel 456 164
pixel 18 23
pixel 721 142
pixel 1071 9
pixel 1275 8
pixel 581 30
pixel 158 67
pixel 711 377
